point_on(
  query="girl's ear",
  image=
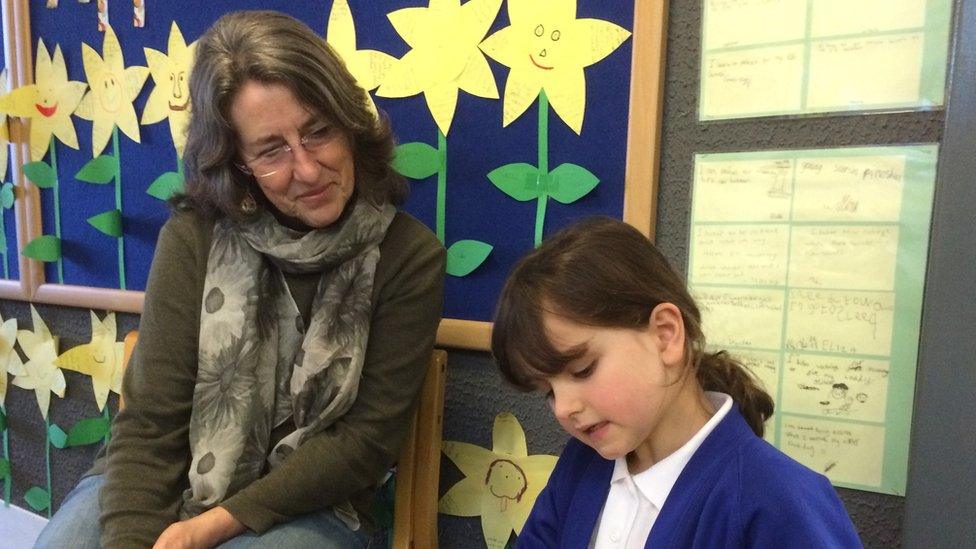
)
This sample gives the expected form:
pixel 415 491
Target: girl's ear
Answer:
pixel 668 329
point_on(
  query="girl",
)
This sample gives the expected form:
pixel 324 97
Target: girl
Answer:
pixel 667 449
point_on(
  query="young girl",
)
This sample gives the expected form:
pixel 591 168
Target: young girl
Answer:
pixel 667 449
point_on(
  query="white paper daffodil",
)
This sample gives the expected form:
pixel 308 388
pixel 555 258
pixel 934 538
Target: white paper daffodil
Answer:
pixel 500 484
pixel 39 373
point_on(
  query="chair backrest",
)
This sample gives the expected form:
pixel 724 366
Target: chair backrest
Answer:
pixel 418 469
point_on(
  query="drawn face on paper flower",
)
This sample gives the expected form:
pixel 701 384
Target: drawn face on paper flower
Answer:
pixel 171 96
pixel 547 47
pixel 506 481
pixel 546 52
pixel 113 87
pixel 179 96
pixel 111 96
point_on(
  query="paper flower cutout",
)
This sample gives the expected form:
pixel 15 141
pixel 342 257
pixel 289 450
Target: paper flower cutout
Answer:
pixel 48 102
pixel 546 47
pixel 39 372
pixel 9 359
pixel 113 87
pixel 102 359
pixel 444 57
pixel 368 67
pixel 500 484
pixel 171 96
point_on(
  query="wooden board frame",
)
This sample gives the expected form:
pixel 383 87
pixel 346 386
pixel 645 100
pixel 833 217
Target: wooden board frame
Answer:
pixel 640 185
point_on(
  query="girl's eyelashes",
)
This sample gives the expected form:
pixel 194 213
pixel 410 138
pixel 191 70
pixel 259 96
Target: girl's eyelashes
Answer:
pixel 585 372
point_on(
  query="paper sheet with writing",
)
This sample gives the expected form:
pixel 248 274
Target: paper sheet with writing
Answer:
pixel 779 57
pixel 808 265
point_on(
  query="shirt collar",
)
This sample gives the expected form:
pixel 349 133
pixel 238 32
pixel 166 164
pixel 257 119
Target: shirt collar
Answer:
pixel 656 482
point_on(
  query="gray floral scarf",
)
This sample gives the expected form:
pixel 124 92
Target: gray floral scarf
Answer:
pixel 258 363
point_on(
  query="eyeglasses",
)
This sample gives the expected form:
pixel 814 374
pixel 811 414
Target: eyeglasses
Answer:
pixel 271 161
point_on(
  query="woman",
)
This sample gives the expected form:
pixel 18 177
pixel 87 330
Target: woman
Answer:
pixel 289 315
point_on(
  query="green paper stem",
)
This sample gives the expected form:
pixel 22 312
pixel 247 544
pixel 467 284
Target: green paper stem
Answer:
pixel 441 184
pixel 52 155
pixel 108 418
pixel 179 167
pixel 118 202
pixel 47 461
pixel 9 479
pixel 540 208
pixel 6 263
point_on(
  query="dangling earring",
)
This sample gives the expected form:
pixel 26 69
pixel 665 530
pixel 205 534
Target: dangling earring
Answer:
pixel 248 205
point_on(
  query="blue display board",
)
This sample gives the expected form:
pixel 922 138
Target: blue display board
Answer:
pixel 477 144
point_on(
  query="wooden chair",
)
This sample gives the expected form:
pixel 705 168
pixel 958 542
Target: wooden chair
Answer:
pixel 418 469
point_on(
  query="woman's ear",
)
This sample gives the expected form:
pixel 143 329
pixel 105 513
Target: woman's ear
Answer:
pixel 668 330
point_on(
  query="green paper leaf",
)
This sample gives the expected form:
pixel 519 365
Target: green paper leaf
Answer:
pixel 41 174
pixel 7 195
pixel 465 256
pixel 109 222
pixel 4 468
pixel 43 248
pixel 88 431
pixel 37 498
pixel 98 170
pixel 569 182
pixel 57 436
pixel 416 160
pixel 166 186
pixel 519 181
pixel 3 421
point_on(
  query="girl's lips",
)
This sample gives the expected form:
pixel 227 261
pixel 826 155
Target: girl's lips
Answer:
pixel 597 430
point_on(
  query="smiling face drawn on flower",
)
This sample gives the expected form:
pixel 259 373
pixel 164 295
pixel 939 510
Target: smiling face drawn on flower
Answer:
pixel 110 96
pixel 506 481
pixel 545 47
pixel 179 96
pixel 48 105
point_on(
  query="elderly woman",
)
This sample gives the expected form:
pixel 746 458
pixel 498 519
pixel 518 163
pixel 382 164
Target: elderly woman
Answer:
pixel 289 316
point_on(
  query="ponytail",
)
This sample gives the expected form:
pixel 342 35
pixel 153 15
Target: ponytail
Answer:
pixel 721 373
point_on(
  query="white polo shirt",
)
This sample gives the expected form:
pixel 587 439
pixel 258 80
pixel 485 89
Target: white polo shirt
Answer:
pixel 635 501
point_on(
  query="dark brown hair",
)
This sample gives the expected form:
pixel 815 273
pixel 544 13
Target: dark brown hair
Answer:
pixel 602 272
pixel 271 47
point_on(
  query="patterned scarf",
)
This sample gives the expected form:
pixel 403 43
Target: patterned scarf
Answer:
pixel 250 379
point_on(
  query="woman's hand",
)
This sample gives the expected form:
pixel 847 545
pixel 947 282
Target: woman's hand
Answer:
pixel 202 531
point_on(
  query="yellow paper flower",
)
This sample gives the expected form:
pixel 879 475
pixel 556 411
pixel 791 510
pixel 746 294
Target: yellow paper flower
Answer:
pixel 113 87
pixel 546 47
pixel 101 359
pixel 368 67
pixel 9 359
pixel 39 373
pixel 500 484
pixel 171 97
pixel 48 102
pixel 444 57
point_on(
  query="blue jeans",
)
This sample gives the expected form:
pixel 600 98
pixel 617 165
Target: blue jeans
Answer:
pixel 76 525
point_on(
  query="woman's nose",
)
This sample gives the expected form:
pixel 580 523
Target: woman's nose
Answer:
pixel 304 165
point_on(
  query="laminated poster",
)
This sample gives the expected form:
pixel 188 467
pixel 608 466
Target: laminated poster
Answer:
pixel 782 57
pixel 809 266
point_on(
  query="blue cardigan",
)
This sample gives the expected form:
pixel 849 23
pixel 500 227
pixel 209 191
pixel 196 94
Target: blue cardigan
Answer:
pixel 736 491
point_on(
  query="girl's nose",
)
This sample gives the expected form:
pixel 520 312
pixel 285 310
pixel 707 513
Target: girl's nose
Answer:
pixel 565 403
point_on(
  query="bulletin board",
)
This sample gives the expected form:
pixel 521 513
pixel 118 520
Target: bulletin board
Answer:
pixel 476 177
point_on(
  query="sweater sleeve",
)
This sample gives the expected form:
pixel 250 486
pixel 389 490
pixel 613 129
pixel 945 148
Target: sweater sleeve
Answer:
pixel 148 456
pixel 355 452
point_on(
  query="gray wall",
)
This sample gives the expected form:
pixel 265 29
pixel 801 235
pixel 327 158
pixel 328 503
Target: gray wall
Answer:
pixel 941 497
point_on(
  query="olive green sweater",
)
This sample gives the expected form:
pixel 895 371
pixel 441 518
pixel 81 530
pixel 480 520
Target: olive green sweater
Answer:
pixel 147 460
